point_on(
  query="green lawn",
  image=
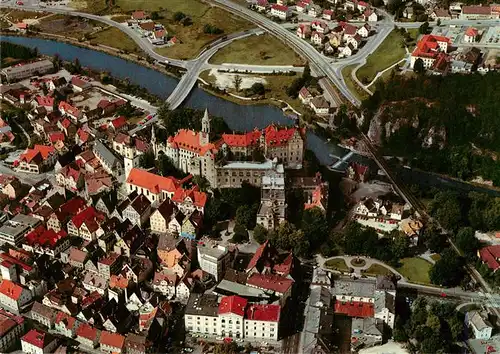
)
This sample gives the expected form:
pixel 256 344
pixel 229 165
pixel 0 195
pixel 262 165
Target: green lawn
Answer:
pixel 257 50
pixel 337 264
pixel 415 270
pixel 115 38
pixel 351 84
pixel 376 269
pixel 388 53
pixel 192 8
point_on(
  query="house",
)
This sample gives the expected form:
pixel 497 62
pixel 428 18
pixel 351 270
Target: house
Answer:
pixel 349 30
pixel 328 14
pixel 370 15
pixel 78 85
pixel 11 329
pixel 334 39
pixel 155 187
pixel 43 241
pixel 109 265
pixel 86 223
pixel 490 255
pixel 128 244
pixel 138 15
pixel 303 31
pixel 262 5
pixel 301 6
pixel 6 134
pixel 213 260
pixel 314 11
pixel 471 35
pixel 111 164
pixel 111 342
pixel 354 41
pixel 280 11
pixel 320 105
pixel 87 335
pixel 57 83
pixel 94 282
pixel 66 325
pixel 38 342
pixel 159 36
pixel 190 200
pixel 364 31
pixel 14 189
pixel 305 96
pixel 481 326
pixel 262 321
pixel 440 14
pixel 165 283
pixel 138 211
pixel 277 284
pixel 71 177
pixel 428 49
pixel 367 207
pixel 317 38
pixel 362 6
pixel 72 112
pixel 77 258
pixel 478 12
pixel 162 216
pixel 408 11
pixel 137 344
pixel 38 159
pixel 191 225
pixel 320 27
pixel 43 314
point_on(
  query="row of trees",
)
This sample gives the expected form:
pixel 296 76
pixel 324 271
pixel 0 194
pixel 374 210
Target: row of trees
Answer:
pixel 16 51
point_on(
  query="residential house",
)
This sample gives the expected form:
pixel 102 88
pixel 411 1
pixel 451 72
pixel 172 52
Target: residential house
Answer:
pixel 62 215
pixel 14 189
pixel 314 11
pixel 46 241
pixel 109 265
pixel 490 255
pixel 357 172
pixel 38 342
pixel 320 105
pixel 38 159
pixel 191 225
pixel 74 113
pixel 355 41
pixel 280 11
pixel 71 177
pixel 161 217
pixel 78 84
pixel 303 31
pixel 320 27
pixel 66 325
pixel 370 15
pixel 13 297
pixel 428 49
pixel 301 6
pixel 165 283
pixel 138 16
pixel 155 187
pixel 137 344
pixel 471 35
pixel 364 31
pixel 129 243
pixel 440 14
pixel 305 96
pixel 349 30
pixel 214 260
pixel 86 223
pixel 57 83
pixel 111 342
pixel 43 314
pixel 138 211
pixel 328 15
pixel 317 38
pixel 190 200
pixel 262 5
pixel 11 329
pixel 94 282
pixel 87 335
pixel 77 258
pixel 480 324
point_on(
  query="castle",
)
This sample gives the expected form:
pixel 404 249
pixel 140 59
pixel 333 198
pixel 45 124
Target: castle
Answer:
pixel 193 152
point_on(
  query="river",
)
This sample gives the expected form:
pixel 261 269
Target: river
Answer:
pixel 238 117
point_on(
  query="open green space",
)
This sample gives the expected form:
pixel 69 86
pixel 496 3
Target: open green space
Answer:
pixel 257 50
pixel 376 269
pixel 115 38
pixel 194 8
pixel 389 52
pixel 415 269
pixel 337 264
pixel 351 84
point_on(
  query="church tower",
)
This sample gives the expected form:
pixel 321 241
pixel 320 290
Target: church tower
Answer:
pixel 153 139
pixel 205 129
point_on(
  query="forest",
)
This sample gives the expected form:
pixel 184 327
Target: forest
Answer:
pixel 16 51
pixel 464 106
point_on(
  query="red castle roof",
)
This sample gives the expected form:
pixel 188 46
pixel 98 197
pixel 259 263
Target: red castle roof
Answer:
pixel 277 137
pixel 190 140
pixel 233 304
pixel 198 198
pixel 355 309
pixel 242 140
pixel 152 182
pixel 428 46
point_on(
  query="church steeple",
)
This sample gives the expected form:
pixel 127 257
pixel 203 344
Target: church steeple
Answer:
pixel 205 128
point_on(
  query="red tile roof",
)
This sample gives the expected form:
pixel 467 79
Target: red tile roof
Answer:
pixel 198 198
pixel 66 123
pixel 69 321
pixel 257 255
pixel 46 101
pixel 87 331
pixel 11 289
pixel 277 137
pixel 233 304
pixel 152 182
pixel 272 282
pixel 284 267
pixel 428 46
pixel 43 237
pixel 242 140
pixel 471 32
pixel 8 257
pixel 282 8
pixel 476 10
pixel 138 15
pixel 490 256
pixel 90 217
pixel 38 338
pixel 355 309
pixel 8 321
pixel 113 340
pixel 70 208
pixel 38 150
pixel 76 81
pixel 83 135
pixel 69 109
pixel 56 136
pixel 258 312
pixel 119 122
pixel 190 140
pixel 327 12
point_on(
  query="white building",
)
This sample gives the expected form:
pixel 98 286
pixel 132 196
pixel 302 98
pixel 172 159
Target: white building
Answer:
pixel 273 205
pixel 19 72
pixel 13 297
pixel 280 11
pixel 38 342
pixel 213 260
pixel 155 187
pixel 11 328
pixel 480 324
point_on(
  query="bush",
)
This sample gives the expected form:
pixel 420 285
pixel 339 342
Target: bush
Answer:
pixel 179 16
pixel 240 234
pixel 210 29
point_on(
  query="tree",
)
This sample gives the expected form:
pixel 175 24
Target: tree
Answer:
pixel 56 61
pixel 401 244
pixel 237 82
pixel 314 226
pixel 166 167
pixel 258 88
pixel 240 234
pixel 433 239
pixel 202 182
pixel 446 208
pixel 260 234
pixel 448 270
pixel 179 16
pixel 424 27
pixel 245 215
pixel 466 241
pixel 258 155
pixel 155 15
pixel 438 22
pixel 419 67
pixel 147 160
pixel 306 74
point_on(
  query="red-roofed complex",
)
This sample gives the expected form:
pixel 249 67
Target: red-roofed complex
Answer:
pixel 86 223
pixel 233 305
pixel 155 187
pixel 59 218
pixel 73 112
pixel 355 309
pixel 13 297
pixel 428 49
pixel 37 341
pixel 266 260
pixel 470 35
pixel 490 256
pixel 38 159
pixel 46 241
pixel 189 200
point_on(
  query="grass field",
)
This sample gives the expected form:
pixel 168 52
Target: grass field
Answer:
pixel 115 38
pixel 192 8
pixel 337 264
pixel 68 26
pixel 351 84
pixel 19 15
pixel 415 270
pixel 388 53
pixel 257 50
pixel 376 269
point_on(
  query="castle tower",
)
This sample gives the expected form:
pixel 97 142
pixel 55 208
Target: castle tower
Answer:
pixel 205 129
